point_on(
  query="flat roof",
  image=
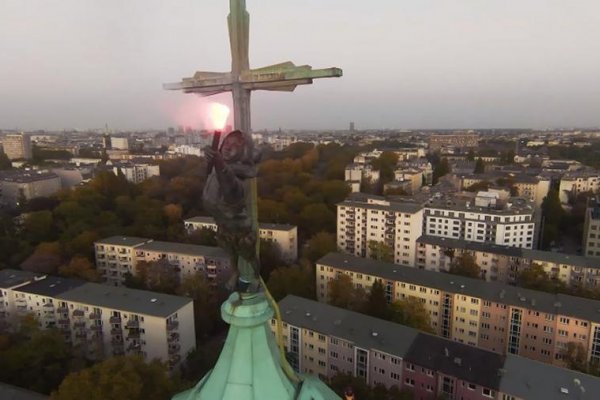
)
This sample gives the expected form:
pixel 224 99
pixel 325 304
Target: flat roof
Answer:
pixel 123 241
pixel 51 286
pixel 201 219
pixel 125 299
pixel 183 248
pixel 10 392
pixel 539 255
pixel 530 379
pixel 577 307
pixel 398 206
pixel 13 277
pixel 362 330
pixel 462 361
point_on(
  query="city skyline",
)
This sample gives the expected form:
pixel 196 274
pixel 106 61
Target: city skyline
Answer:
pixel 424 65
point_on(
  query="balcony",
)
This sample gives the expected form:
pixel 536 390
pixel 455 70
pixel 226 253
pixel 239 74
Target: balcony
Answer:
pixel 115 320
pixel 117 342
pixel 171 326
pixel 78 313
pixel 80 335
pixel 134 347
pixel 96 328
pixel 133 335
pixel 174 359
pixel 62 310
pixel 131 324
pixel 174 349
pixel 173 338
pixel 94 316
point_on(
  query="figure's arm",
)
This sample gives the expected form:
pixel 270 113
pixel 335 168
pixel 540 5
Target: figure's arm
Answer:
pixel 231 186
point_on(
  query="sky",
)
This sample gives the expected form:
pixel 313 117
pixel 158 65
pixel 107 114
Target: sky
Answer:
pixel 407 63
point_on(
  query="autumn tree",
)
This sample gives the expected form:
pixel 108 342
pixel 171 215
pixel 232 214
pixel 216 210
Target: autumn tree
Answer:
pixel 411 312
pixel 206 299
pixel 45 259
pixel 342 293
pixel 380 251
pixel 319 245
pixel 118 378
pixel 440 169
pixel 203 236
pixel 80 267
pixel 479 166
pixel 158 276
pixel 465 265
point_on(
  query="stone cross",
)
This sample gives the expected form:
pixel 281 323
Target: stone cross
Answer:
pixel 242 80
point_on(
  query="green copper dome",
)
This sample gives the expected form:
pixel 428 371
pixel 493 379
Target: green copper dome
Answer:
pixel 249 367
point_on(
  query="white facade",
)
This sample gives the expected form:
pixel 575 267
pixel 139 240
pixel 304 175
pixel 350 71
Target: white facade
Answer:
pixel 117 257
pixel 119 143
pixel 510 226
pixel 370 218
pixel 285 236
pixel 102 321
pixel 137 172
pixel 573 183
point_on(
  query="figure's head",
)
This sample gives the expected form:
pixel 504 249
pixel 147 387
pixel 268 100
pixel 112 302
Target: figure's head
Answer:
pixel 233 147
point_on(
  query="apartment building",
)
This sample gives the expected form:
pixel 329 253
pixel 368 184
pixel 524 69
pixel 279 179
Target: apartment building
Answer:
pixel 326 340
pixel 490 315
pixel 364 218
pixel 591 228
pixel 17 146
pixel 117 257
pixel 466 140
pixel 284 235
pixel 485 217
pixel 136 171
pixel 413 176
pixel 503 264
pixel 19 184
pixel 103 321
pixel 576 182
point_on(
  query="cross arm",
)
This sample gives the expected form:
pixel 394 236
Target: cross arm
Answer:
pixel 285 76
pixel 203 83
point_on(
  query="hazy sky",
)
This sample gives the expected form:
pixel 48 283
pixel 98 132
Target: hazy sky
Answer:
pixel 407 63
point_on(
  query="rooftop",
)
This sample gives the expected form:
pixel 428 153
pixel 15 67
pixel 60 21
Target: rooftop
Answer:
pixel 13 277
pixel 371 202
pixel 576 307
pixel 51 286
pixel 129 300
pixel 9 392
pixel 21 176
pixel 123 241
pixel 362 330
pixel 537 255
pixel 262 225
pixel 183 248
pixel 456 359
pixel 529 379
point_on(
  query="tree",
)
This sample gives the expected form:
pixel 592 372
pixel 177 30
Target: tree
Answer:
pixel 118 378
pixel 575 357
pixel 37 227
pixel 479 166
pixel 206 303
pixel 270 257
pixel 380 251
pixel 440 169
pixel 376 305
pixel 385 164
pixel 316 218
pixel 297 280
pixel 4 161
pixel 158 276
pixel 465 265
pixel 534 277
pixel 204 236
pixel 411 312
pixel 553 215
pixel 319 245
pixel 342 293
pixel 342 382
pixel 46 259
pixel 80 267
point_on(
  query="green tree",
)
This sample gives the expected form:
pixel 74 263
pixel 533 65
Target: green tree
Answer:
pixel 316 218
pixel 270 257
pixel 206 299
pixel 319 245
pixel 479 166
pixel 298 280
pixel 38 227
pixel 342 293
pixel 118 378
pixel 575 357
pixel 4 161
pixel 380 251
pixel 534 277
pixel 376 305
pixel 158 276
pixel 385 164
pixel 204 236
pixel 45 259
pixel 440 169
pixel 465 265
pixel 411 312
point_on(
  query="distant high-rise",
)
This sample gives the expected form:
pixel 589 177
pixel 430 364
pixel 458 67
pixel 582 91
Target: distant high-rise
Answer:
pixel 17 146
pixel 351 126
